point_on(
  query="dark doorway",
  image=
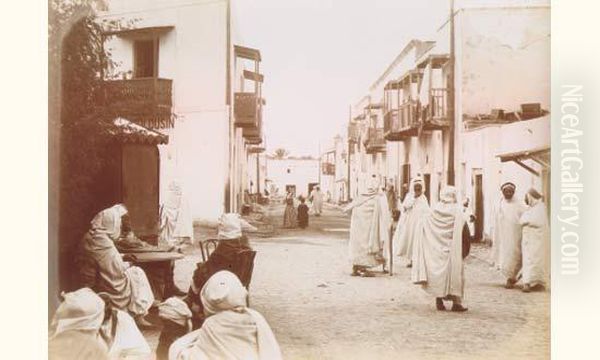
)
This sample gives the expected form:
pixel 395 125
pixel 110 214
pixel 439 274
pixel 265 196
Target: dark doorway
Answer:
pixel 311 186
pixel 478 190
pixel 405 180
pixel 427 181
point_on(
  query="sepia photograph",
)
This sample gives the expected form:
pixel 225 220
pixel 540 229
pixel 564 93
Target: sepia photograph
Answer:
pixel 302 179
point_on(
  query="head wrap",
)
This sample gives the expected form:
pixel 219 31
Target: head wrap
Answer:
pixel 372 184
pixel 532 197
pixel 223 291
pixel 231 226
pixel 81 310
pixel 509 185
pixel 448 194
pixel 108 221
pixel 175 310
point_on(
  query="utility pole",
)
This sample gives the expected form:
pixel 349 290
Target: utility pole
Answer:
pixel 320 164
pixel 258 173
pixel 451 103
pixel 350 144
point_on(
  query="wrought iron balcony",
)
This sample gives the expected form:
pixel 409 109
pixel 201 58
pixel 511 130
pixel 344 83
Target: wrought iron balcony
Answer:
pixel 146 101
pixel 375 142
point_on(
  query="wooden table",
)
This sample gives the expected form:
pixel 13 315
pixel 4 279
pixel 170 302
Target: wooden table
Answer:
pixel 149 257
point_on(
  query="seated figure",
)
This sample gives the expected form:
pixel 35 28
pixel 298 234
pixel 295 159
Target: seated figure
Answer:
pixel 101 267
pixel 225 257
pixel 87 327
pixel 231 329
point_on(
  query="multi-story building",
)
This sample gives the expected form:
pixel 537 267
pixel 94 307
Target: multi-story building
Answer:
pixel 180 69
pixel 489 126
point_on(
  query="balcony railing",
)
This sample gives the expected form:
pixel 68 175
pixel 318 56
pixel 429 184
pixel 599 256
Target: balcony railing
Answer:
pixel 146 101
pixel 328 168
pixel 375 142
pixel 247 109
pixel 435 115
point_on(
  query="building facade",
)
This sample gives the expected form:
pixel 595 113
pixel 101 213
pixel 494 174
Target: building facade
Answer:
pixel 473 122
pixel 179 69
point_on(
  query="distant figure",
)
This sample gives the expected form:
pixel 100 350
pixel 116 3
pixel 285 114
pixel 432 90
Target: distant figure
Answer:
pixel 369 230
pixel 413 209
pixel 175 217
pixel 302 213
pixel 470 218
pixel 392 199
pixel 440 246
pixel 316 197
pixel 289 214
pixel 507 235
pixel 536 242
pixel 232 330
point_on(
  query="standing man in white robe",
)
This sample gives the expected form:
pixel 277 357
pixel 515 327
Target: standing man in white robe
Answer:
pixel 438 259
pixel 507 234
pixel 536 232
pixel 316 197
pixel 369 230
pixel 412 210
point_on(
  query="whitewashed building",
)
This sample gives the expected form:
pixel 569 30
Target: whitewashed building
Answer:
pixel 501 101
pixel 180 69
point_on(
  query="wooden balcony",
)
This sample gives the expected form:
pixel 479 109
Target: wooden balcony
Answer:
pixel 401 123
pixel 146 101
pixel 253 135
pixel 247 109
pixel 375 142
pixel 328 168
pixel 435 115
pixel 353 133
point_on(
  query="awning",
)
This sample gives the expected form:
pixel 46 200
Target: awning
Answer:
pixel 247 53
pixel 144 32
pixel 526 140
pixel 132 133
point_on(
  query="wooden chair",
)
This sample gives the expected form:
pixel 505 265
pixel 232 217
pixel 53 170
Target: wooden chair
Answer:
pixel 245 266
pixel 207 247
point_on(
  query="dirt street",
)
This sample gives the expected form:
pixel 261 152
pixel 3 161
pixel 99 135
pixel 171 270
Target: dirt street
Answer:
pixel 302 285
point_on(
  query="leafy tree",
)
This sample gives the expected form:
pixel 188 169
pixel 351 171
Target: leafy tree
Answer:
pixel 280 153
pixel 80 150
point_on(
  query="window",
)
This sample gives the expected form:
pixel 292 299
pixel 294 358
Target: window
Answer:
pixel 145 58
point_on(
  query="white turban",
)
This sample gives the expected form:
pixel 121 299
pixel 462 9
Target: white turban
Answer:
pixel 108 221
pixel 81 310
pixel 223 291
pixel 176 310
pixel 231 226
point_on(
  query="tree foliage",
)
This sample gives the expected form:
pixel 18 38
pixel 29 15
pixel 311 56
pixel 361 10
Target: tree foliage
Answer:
pixel 280 153
pixel 79 124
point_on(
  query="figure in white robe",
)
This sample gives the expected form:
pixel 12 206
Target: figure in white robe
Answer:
pixel 413 209
pixel 438 261
pixel 316 197
pixel 536 238
pixel 369 230
pixel 507 235
pixel 175 217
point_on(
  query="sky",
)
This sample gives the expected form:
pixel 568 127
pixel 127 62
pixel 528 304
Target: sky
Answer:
pixel 320 56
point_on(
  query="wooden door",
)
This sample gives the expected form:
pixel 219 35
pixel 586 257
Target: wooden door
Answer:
pixel 427 181
pixel 140 169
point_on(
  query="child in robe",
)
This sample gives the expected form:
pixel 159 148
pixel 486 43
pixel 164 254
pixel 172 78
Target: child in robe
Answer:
pixel 302 214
